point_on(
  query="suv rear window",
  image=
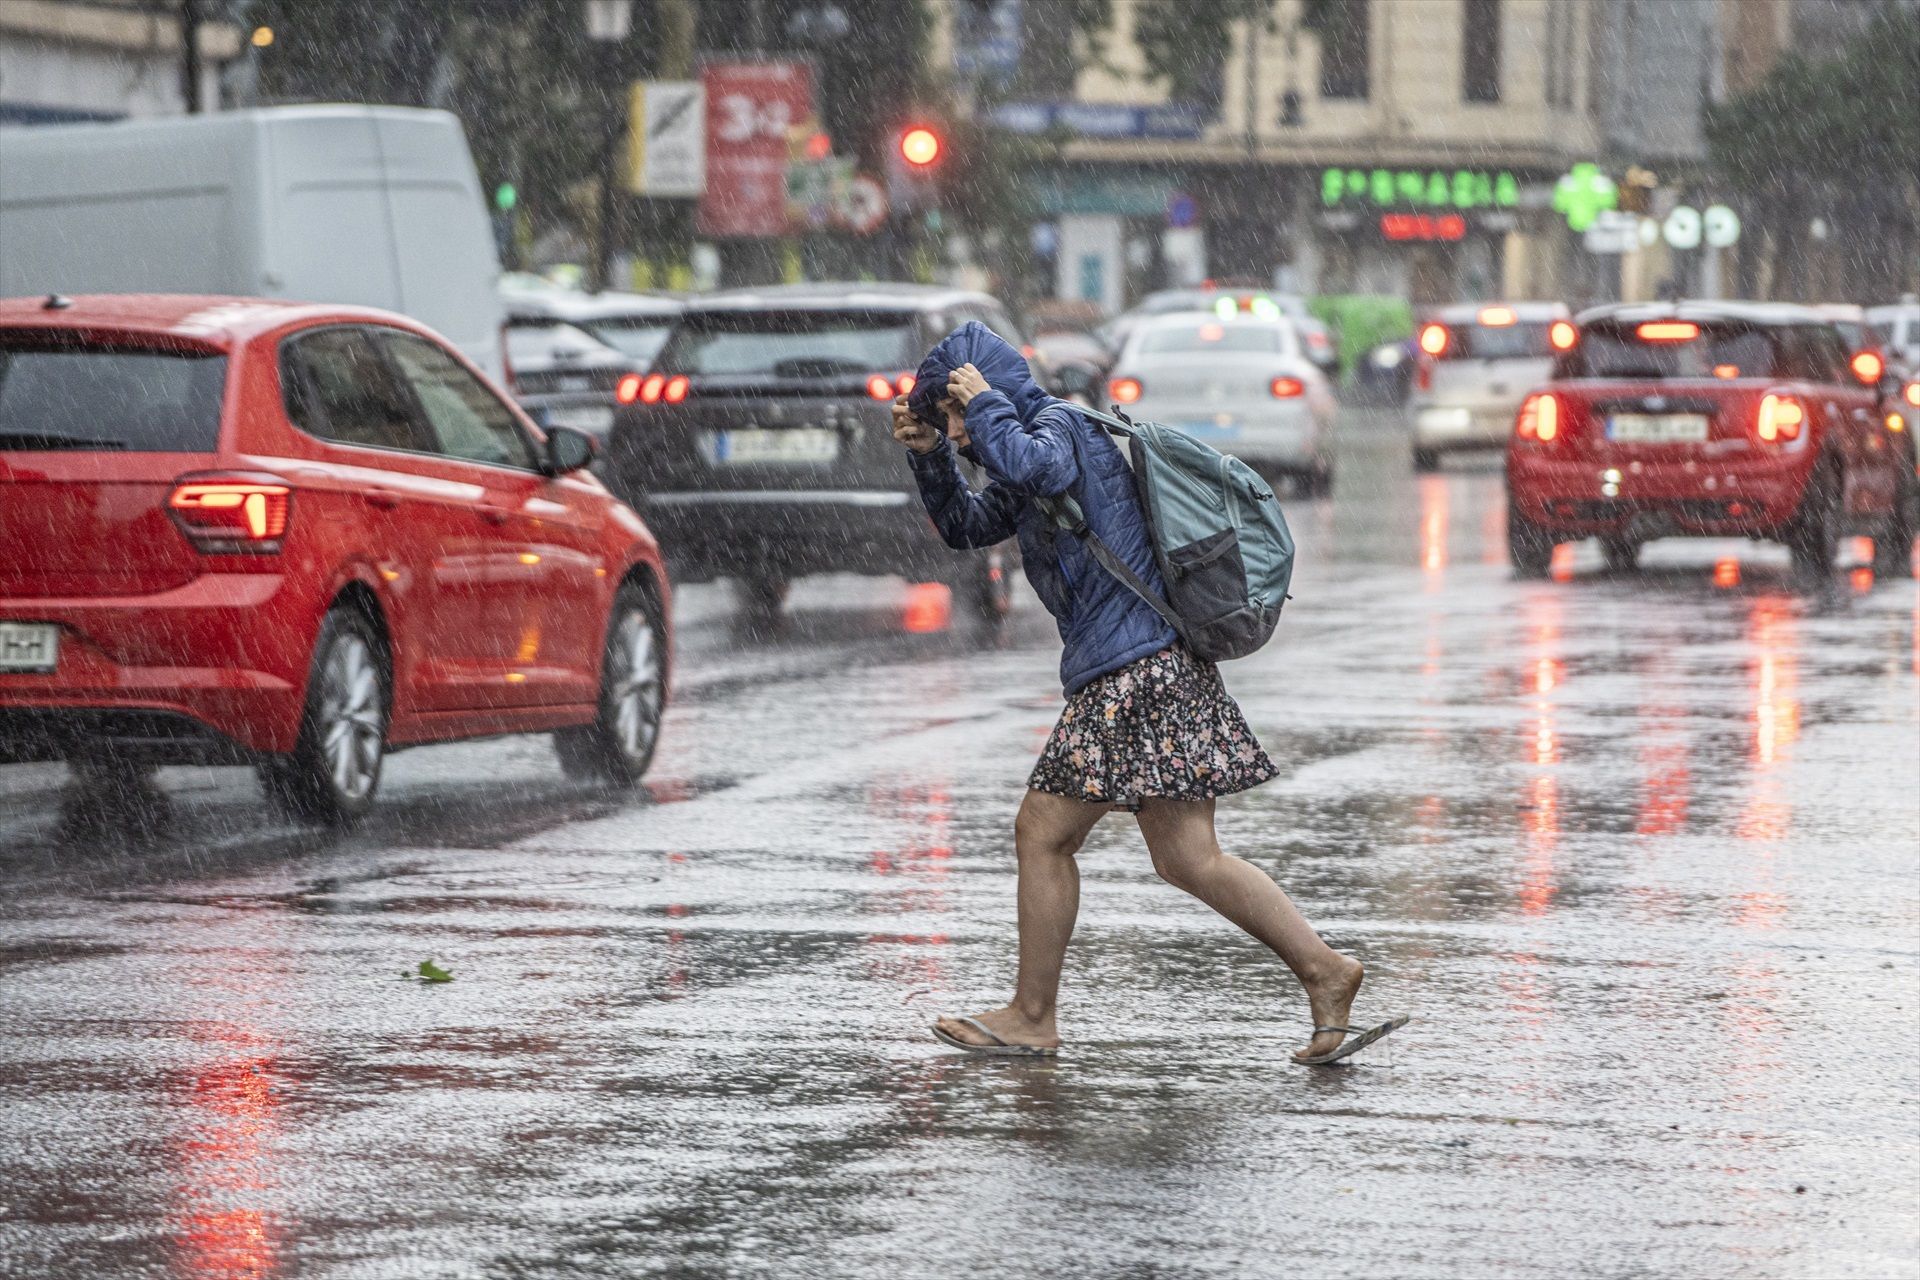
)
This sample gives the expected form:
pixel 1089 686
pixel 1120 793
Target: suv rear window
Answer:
pixel 639 338
pixel 1521 340
pixel 57 393
pixel 791 344
pixel 1811 352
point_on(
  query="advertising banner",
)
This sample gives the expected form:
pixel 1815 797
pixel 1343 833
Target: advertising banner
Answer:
pixel 751 107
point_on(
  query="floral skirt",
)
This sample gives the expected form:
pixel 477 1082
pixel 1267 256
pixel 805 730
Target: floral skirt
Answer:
pixel 1160 727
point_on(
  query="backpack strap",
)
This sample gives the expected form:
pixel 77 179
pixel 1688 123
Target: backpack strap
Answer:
pixel 1119 426
pixel 1066 514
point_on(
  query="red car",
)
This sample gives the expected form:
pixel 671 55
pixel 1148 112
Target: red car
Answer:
pixel 1709 419
pixel 249 532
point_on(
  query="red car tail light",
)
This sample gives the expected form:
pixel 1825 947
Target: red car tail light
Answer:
pixel 1434 339
pixel 905 384
pixel 1539 419
pixel 246 514
pixel 676 389
pixel 1124 390
pixel 651 389
pixel 1780 418
pixel 627 390
pixel 1668 331
pixel 1561 335
pixel 1286 388
pixel 1422 376
pixel 1867 366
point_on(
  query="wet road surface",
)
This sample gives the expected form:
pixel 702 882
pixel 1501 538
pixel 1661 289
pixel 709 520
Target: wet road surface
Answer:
pixel 1640 855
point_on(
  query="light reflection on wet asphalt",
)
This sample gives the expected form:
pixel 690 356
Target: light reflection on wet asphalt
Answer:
pixel 1638 854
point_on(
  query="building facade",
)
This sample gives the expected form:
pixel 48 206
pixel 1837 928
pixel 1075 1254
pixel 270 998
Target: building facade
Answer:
pixel 63 61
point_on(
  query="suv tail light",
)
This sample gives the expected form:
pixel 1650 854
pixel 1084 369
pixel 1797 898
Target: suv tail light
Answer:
pixel 627 390
pixel 1434 339
pixel 1867 366
pixel 1780 418
pixel 880 387
pixel 1539 419
pixel 1562 336
pixel 1286 388
pixel 658 388
pixel 245 514
pixel 1124 390
pixel 676 389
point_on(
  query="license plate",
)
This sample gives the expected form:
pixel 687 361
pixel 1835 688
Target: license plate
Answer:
pixel 797 445
pixel 29 646
pixel 592 417
pixel 1657 428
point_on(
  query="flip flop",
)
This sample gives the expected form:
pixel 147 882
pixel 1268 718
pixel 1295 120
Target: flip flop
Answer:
pixel 1360 1040
pixel 998 1049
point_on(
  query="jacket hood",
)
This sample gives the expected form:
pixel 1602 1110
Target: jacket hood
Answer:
pixel 999 363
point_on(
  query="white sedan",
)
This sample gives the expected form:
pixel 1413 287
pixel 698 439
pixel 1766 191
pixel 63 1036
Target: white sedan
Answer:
pixel 1241 383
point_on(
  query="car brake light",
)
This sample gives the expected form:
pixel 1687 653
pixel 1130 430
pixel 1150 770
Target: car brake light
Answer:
pixel 1423 376
pixel 905 384
pixel 1561 335
pixel 1539 418
pixel 879 388
pixel 651 389
pixel 1867 366
pixel 627 390
pixel 1496 317
pixel 1912 394
pixel 1286 388
pixel 676 389
pixel 231 513
pixel 1434 339
pixel 1668 331
pixel 1726 372
pixel 1780 418
pixel 1124 390
pixel 1896 423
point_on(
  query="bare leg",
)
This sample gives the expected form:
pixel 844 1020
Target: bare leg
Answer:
pixel 1048 832
pixel 1186 853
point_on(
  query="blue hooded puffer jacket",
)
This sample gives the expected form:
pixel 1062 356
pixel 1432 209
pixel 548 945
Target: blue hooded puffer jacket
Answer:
pixel 1033 445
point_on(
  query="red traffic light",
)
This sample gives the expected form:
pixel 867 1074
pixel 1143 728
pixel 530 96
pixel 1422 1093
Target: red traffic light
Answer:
pixel 920 146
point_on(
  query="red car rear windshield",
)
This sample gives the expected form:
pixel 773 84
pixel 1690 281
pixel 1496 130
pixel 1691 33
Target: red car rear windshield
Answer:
pixel 57 393
pixel 1717 350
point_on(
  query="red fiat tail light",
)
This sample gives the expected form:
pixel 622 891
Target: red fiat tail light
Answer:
pixel 1539 419
pixel 1286 388
pixel 245 514
pixel 627 390
pixel 1780 418
pixel 1124 390
pixel 676 389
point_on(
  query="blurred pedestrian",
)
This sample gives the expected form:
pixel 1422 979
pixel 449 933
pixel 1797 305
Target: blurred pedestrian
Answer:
pixel 1148 727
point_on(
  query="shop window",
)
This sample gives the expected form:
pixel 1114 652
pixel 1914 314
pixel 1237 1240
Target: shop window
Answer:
pixel 1344 28
pixel 1480 49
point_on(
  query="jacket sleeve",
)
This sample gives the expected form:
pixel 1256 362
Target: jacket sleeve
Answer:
pixel 965 518
pixel 1035 459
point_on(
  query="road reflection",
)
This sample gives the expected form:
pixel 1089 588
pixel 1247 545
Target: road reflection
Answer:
pixel 225 1161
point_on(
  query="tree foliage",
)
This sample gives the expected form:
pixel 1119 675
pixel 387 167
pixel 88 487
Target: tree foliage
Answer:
pixel 1186 42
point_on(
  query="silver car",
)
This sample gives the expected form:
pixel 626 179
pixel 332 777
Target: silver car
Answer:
pixel 1239 382
pixel 1475 364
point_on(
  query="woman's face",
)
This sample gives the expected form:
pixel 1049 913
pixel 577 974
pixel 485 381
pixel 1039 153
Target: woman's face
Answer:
pixel 956 422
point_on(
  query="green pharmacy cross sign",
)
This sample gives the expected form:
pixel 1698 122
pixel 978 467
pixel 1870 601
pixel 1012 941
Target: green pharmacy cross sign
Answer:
pixel 1421 188
pixel 1583 194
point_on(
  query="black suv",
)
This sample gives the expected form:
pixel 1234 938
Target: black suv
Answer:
pixel 761 445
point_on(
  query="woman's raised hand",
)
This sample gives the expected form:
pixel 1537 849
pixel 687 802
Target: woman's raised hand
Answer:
pixel 964 383
pixel 910 431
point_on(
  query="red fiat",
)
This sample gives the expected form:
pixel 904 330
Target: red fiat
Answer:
pixel 247 532
pixel 1708 419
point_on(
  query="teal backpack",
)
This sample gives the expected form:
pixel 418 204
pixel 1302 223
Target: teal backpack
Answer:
pixel 1222 545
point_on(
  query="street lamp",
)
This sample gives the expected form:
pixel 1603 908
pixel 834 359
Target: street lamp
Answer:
pixel 608 22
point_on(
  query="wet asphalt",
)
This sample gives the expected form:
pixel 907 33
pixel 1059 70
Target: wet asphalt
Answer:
pixel 1640 855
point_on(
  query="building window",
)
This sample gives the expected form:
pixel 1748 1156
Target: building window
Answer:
pixel 1345 46
pixel 1480 47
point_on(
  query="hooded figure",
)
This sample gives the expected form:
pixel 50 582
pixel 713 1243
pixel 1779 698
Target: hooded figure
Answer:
pixel 1033 445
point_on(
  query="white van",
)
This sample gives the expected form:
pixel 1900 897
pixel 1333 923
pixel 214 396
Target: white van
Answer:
pixel 379 206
